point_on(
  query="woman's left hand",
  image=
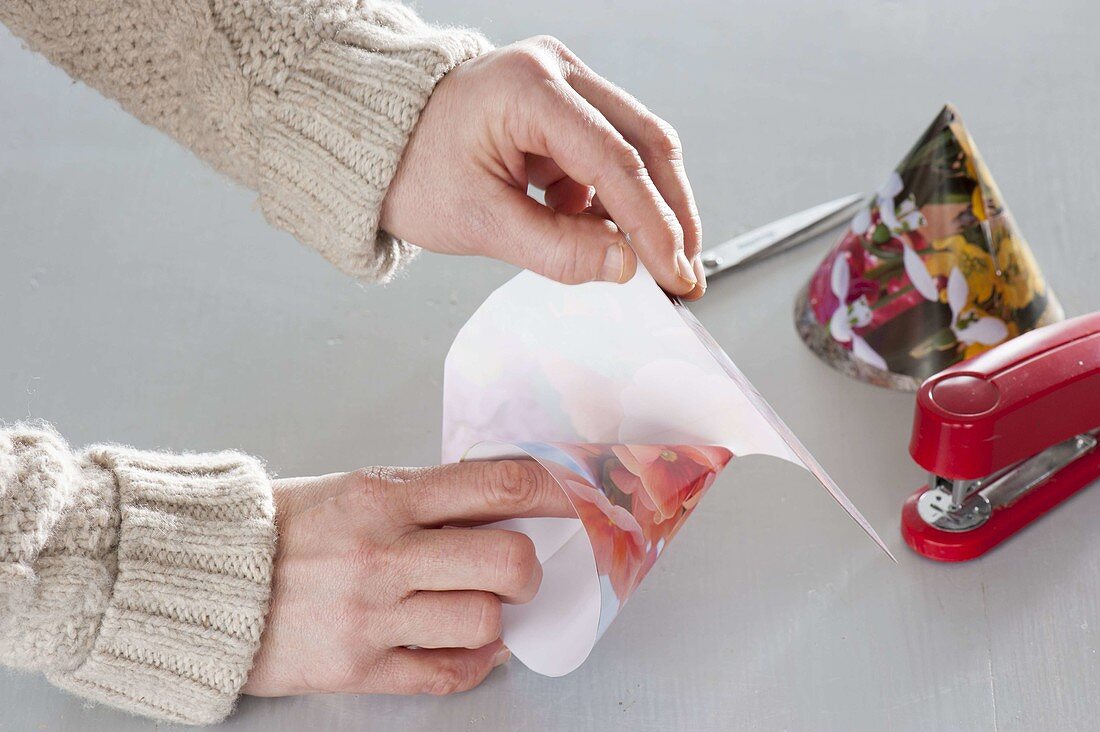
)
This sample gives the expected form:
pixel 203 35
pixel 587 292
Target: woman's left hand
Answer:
pixel 369 563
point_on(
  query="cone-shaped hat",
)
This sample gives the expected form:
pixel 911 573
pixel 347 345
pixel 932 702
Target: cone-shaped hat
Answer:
pixel 933 271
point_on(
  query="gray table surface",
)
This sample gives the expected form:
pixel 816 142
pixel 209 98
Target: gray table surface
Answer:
pixel 143 300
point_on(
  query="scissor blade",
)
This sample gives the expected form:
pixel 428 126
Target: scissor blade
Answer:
pixel 779 235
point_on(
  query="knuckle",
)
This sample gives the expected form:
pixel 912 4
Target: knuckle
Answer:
pixel 674 231
pixel 548 42
pixel 382 495
pixel 449 677
pixel 511 484
pixel 624 156
pixel 566 261
pixel 485 611
pixel 514 562
pixel 535 57
pixel 662 138
pixel 370 485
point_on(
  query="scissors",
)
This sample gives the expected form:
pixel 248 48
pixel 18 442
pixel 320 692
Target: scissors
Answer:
pixel 780 235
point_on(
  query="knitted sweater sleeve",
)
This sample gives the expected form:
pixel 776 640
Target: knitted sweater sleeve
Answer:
pixel 137 579
pixel 308 102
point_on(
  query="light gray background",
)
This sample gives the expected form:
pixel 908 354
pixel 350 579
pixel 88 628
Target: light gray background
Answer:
pixel 143 300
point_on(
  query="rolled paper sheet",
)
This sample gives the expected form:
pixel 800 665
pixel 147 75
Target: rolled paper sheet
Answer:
pixel 932 272
pixel 630 501
pixel 633 409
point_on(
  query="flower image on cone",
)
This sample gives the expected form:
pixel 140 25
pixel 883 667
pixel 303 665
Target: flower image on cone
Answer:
pixel 632 499
pixel 931 272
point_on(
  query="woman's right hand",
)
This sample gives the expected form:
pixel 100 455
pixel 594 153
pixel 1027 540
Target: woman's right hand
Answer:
pixel 372 595
pixel 534 113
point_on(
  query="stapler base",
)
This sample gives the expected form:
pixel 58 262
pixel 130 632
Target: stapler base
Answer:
pixel 1001 522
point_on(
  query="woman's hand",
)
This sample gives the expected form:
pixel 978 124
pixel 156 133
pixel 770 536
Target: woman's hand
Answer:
pixel 533 113
pixel 364 570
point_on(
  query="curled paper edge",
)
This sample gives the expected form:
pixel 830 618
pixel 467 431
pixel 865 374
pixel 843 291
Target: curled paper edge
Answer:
pixel 645 293
pixel 534 633
pixel 808 460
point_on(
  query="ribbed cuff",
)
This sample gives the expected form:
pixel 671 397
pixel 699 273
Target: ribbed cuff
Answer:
pixel 195 552
pixel 337 129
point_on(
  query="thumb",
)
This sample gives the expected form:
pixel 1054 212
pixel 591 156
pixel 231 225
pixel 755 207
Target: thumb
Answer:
pixel 569 248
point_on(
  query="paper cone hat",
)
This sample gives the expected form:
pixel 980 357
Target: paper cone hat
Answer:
pixel 932 272
pixel 632 408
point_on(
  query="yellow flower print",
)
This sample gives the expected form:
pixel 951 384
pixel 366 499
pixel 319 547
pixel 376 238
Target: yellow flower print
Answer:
pixel 977 203
pixel 973 261
pixel 1020 281
pixel 1014 276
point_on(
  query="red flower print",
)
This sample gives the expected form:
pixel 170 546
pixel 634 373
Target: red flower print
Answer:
pixel 616 537
pixel 667 478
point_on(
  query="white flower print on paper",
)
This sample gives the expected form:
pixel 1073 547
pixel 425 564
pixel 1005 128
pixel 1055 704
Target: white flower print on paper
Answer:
pixel 848 316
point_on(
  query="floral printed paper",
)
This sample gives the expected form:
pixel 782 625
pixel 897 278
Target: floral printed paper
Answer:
pixel 633 409
pixel 933 271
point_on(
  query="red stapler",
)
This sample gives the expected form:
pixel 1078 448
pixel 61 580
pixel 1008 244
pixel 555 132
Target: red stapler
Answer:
pixel 1005 436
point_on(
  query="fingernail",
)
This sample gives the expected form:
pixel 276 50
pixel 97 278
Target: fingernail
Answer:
pixel 684 270
pixel 700 273
pixel 502 656
pixel 614 263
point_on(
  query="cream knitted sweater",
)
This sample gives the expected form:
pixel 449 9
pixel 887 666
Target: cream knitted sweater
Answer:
pixel 142 579
pixel 136 579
